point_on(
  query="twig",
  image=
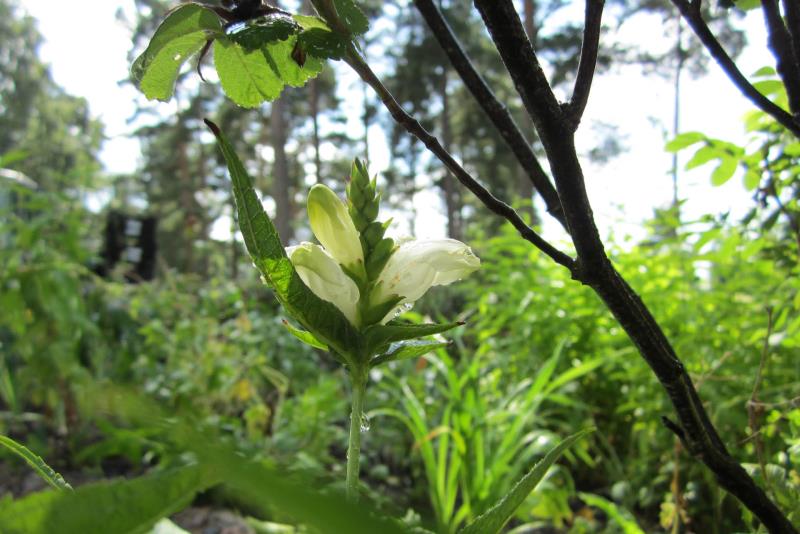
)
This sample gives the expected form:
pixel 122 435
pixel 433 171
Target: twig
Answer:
pixel 780 42
pixel 701 29
pixel 588 61
pixel 791 10
pixel 413 127
pixel 494 109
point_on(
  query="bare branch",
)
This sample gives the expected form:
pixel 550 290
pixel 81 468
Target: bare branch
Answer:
pixel 791 10
pixel 413 127
pixel 701 29
pixel 588 62
pixel 780 42
pixel 494 109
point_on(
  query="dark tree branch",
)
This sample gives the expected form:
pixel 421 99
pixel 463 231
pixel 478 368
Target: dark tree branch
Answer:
pixel 588 62
pixel 595 269
pixel 413 127
pixel 780 42
pixel 701 29
pixel 494 109
pixel 552 125
pixel 791 10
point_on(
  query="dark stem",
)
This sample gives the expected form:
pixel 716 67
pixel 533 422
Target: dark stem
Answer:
pixel 492 107
pixel 595 269
pixel 780 42
pixel 713 46
pixel 413 127
pixel 588 61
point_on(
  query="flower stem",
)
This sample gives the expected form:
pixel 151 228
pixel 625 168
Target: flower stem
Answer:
pixel 358 377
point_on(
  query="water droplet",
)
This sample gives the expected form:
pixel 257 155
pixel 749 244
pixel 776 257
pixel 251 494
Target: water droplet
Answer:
pixel 364 423
pixel 177 57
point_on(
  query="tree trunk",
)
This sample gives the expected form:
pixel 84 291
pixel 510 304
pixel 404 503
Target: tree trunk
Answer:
pixel 450 187
pixel 281 183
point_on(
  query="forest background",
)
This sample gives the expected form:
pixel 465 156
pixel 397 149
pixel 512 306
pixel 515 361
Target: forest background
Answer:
pixel 205 337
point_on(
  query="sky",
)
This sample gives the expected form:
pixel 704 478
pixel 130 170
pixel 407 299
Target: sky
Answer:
pixel 87 51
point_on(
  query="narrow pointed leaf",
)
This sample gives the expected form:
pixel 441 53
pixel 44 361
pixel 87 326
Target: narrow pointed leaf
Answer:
pixel 496 517
pixel 264 245
pixel 404 350
pixel 36 463
pixel 381 335
pixel 304 336
pixel 126 507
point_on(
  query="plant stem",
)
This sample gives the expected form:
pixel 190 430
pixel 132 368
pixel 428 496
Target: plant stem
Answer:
pixel 358 378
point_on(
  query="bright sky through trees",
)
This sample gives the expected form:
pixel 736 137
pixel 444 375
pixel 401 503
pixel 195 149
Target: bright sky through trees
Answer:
pixel 623 191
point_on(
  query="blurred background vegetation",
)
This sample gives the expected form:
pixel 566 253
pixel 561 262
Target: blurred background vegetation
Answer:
pixel 449 433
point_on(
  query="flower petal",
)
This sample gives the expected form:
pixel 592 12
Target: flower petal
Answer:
pixel 418 265
pixel 323 276
pixel 333 227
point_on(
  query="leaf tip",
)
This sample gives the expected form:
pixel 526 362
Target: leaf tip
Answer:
pixel 213 127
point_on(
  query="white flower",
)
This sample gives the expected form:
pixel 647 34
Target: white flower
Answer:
pixel 323 276
pixel 334 228
pixel 416 266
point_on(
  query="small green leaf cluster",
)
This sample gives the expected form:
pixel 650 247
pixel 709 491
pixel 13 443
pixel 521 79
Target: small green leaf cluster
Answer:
pixel 255 59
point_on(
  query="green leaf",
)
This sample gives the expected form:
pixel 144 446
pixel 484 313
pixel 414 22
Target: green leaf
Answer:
pixel 379 336
pixel 279 56
pixel 769 87
pixel 352 17
pixel 304 336
pixel 261 238
pixel 764 71
pixel 724 171
pixel 702 156
pixel 181 34
pixel 158 80
pixel 404 350
pixel 683 140
pixel 122 506
pixel 247 78
pixel 264 30
pixel 323 43
pixel 37 464
pixel 496 517
pixel 307 22
pixel 751 179
pixel 621 517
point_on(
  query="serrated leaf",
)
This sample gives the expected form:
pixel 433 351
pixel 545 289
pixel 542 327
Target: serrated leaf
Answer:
pixel 279 56
pixel 246 77
pixel 261 31
pixel 122 506
pixel 36 463
pixel 261 238
pixel 683 140
pixel 379 336
pixel 724 171
pixel 304 336
pixel 158 80
pixel 702 156
pixel 404 350
pixel 352 16
pixel 185 20
pixel 307 22
pixel 496 517
pixel 323 43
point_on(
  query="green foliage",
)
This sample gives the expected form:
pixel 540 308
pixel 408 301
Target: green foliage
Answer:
pixel 36 463
pixel 497 516
pixel 119 506
pixel 254 61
